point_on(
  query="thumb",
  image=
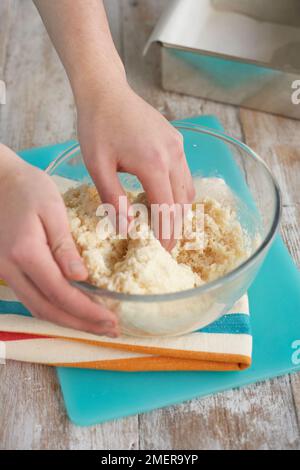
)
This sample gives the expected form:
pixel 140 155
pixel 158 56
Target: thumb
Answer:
pixel 62 245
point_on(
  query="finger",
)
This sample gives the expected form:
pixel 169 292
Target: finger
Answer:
pixel 40 266
pixel 182 182
pixel 62 244
pixel 178 183
pixel 183 192
pixel 158 189
pixel 111 192
pixel 191 193
pixel 36 303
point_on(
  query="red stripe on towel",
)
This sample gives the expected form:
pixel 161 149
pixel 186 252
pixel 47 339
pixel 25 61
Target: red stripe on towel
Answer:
pixel 5 336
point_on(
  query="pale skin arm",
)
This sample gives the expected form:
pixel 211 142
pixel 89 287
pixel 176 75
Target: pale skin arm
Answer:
pixel 117 129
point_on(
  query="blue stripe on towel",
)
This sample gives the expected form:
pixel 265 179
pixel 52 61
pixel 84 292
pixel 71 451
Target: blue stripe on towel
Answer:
pixel 7 306
pixel 236 323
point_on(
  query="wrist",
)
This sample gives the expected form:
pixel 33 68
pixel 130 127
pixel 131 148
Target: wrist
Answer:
pixel 95 86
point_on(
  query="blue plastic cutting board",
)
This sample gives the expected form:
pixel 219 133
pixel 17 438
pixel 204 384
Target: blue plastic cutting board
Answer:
pixel 93 396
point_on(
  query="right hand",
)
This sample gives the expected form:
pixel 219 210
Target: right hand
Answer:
pixel 119 131
pixel 37 251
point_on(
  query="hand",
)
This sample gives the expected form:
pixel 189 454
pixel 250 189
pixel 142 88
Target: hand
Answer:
pixel 119 131
pixel 37 252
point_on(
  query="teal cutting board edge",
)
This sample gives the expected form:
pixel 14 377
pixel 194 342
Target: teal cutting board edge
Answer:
pixel 93 396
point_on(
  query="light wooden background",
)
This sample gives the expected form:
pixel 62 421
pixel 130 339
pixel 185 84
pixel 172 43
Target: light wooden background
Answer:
pixel 40 111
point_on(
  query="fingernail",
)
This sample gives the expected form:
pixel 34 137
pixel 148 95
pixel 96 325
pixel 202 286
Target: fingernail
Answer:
pixel 77 267
pixel 131 215
pixel 112 335
pixel 103 331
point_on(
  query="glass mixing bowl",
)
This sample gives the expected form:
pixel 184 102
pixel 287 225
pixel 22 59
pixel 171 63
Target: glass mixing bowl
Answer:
pixel 209 154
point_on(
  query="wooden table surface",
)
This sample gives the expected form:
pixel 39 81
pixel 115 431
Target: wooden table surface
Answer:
pixel 39 111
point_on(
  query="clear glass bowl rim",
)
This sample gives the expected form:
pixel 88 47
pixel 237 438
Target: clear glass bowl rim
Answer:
pixel 209 286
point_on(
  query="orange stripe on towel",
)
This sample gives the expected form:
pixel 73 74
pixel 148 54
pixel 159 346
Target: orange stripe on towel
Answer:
pixel 160 364
pixel 170 353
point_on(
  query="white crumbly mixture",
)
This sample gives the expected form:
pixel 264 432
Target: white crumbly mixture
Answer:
pixel 144 266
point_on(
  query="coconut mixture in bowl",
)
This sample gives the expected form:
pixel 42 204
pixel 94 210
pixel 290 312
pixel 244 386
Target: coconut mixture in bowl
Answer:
pixel 157 293
pixel 143 266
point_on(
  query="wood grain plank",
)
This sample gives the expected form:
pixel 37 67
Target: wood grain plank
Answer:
pixel 277 141
pixel 295 382
pixel 32 415
pixel 258 417
pixel 113 10
pixel 5 15
pixel 290 230
pixel 39 107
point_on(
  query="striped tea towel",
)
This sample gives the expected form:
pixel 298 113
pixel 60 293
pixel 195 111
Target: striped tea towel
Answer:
pixel 225 345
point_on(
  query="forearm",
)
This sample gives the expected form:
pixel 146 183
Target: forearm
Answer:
pixel 80 33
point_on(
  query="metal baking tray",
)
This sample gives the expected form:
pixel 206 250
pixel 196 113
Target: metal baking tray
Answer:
pixel 241 52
